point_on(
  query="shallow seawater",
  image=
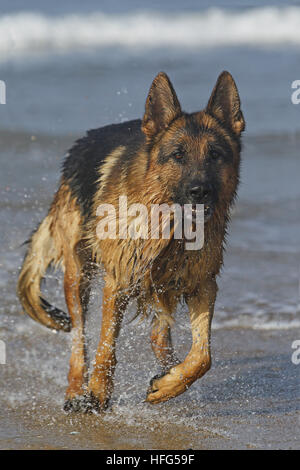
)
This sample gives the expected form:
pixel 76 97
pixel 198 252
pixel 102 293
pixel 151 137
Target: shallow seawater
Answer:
pixel 252 384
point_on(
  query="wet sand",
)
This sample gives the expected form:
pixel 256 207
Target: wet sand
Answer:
pixel 248 400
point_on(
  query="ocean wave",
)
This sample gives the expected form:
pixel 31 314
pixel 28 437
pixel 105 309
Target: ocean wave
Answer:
pixel 27 34
pixel 257 324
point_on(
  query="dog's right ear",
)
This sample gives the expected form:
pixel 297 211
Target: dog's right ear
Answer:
pixel 162 106
pixel 225 103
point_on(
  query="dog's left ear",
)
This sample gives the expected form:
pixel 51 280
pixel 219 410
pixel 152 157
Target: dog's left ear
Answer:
pixel 162 106
pixel 225 104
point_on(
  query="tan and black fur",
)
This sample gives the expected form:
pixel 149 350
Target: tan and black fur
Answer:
pixel 168 157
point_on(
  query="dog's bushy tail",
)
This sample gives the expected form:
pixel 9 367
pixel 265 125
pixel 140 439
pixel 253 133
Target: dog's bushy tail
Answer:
pixel 41 253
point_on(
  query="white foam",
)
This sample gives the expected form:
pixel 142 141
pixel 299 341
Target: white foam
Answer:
pixel 257 323
pixel 27 34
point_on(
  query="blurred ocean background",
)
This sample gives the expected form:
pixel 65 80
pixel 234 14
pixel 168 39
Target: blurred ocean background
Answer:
pixel 70 66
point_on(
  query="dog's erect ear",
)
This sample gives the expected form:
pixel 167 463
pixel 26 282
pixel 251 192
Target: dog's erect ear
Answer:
pixel 162 106
pixel 225 104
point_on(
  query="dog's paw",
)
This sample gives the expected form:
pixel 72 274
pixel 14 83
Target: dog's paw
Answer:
pixel 165 387
pixel 93 405
pixel 87 404
pixel 74 405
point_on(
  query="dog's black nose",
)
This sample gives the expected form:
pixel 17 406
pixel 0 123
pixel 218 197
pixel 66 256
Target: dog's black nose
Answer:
pixel 200 191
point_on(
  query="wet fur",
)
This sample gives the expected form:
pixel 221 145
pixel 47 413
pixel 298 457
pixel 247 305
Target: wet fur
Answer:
pixel 136 159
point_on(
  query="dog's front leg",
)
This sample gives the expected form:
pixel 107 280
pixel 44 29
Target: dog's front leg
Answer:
pixel 198 360
pixel 100 386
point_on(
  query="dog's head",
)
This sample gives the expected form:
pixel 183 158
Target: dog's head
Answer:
pixel 195 157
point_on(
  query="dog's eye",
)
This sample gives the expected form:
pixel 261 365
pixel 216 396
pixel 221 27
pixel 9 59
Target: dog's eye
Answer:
pixel 215 155
pixel 178 156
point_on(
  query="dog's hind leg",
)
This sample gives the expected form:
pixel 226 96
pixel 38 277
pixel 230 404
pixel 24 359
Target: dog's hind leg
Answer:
pixel 77 289
pixel 101 382
pixel 197 363
pixel 161 343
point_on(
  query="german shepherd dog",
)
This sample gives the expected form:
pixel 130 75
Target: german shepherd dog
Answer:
pixel 167 157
